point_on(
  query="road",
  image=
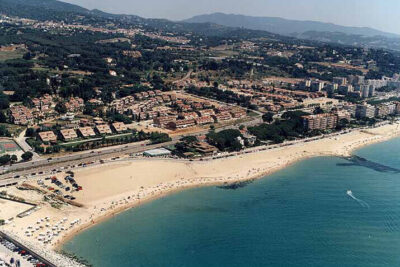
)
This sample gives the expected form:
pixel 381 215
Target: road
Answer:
pixel 21 142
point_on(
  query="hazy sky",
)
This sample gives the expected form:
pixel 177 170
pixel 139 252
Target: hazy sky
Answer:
pixel 379 14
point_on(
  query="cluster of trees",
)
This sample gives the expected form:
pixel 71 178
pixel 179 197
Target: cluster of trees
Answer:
pixel 184 146
pixel 226 140
pixel 9 159
pixel 220 95
pixel 4 131
pixel 6 159
pixel 52 52
pixel 17 75
pixel 158 138
pixel 290 127
pixel 268 117
pixel 113 117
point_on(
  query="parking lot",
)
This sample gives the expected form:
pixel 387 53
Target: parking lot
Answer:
pixel 12 255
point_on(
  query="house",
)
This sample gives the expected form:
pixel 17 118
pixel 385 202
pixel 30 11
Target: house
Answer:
pixel 206 112
pixel 222 109
pixel 20 115
pixel 204 120
pixel 166 98
pixel 197 105
pixel 223 116
pixel 119 127
pixel 98 121
pixel 103 129
pixel 251 139
pixel 162 122
pixel 75 104
pixel 86 132
pixel 181 124
pixel 68 116
pixel 205 148
pixel 48 136
pixel 238 113
pixel 189 115
pixel 68 134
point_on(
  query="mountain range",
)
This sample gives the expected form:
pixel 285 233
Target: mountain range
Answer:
pixel 308 30
pixel 284 26
pixel 217 24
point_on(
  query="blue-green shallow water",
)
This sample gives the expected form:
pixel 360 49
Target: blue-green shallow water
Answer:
pixel 300 216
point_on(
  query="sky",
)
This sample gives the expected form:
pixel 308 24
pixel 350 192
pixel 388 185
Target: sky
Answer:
pixel 379 14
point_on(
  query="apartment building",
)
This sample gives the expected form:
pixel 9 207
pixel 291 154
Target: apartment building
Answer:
pixel 365 111
pixel 223 116
pixel 181 124
pixel 320 121
pixel 68 134
pixel 86 132
pixel 204 120
pixel 119 127
pixel 163 121
pixel 103 129
pixel 48 136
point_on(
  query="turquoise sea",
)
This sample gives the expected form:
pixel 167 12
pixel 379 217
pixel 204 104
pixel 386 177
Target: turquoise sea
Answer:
pixel 320 212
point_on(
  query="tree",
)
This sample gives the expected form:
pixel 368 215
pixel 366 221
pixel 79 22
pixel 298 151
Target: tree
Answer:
pixel 27 156
pixel 5 159
pixel 4 102
pixel 119 118
pixel 61 108
pixel 268 117
pixel 226 140
pixel 342 124
pixel 318 110
pixel 158 138
pixel 3 118
pixel 88 110
pixel 14 158
pixel 39 149
pixel 4 131
pixel 30 132
pixel 189 139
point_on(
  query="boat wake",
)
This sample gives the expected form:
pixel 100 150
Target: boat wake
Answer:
pixel 361 202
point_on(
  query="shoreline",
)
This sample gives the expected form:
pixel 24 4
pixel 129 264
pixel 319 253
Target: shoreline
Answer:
pixel 113 213
pixel 262 175
pixel 181 175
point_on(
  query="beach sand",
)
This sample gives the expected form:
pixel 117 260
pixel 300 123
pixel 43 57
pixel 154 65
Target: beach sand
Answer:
pixel 112 188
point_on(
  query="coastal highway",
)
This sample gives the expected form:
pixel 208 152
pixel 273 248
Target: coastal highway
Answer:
pixel 76 158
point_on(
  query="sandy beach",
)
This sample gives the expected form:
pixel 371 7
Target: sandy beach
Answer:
pixel 114 187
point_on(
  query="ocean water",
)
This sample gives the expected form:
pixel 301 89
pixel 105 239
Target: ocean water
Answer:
pixel 304 215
